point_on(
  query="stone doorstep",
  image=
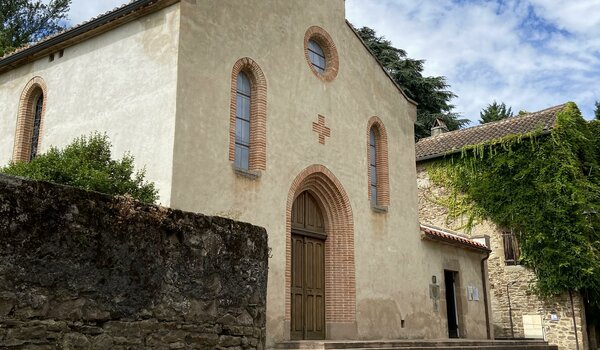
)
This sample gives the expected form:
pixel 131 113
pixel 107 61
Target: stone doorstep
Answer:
pixel 418 344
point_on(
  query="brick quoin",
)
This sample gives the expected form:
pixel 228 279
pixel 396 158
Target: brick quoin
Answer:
pixel 340 277
pixel 258 112
pixel 26 113
pixel 381 161
pixel 332 60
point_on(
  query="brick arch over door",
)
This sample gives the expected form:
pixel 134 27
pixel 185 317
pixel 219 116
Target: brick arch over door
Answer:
pixel 258 112
pixel 25 118
pixel 340 280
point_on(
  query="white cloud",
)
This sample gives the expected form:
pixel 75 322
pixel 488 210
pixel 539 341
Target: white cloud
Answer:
pixel 531 55
pixel 83 10
pixel 488 50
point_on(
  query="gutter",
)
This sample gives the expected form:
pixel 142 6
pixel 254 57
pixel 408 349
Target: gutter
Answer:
pixel 14 59
pixel 485 295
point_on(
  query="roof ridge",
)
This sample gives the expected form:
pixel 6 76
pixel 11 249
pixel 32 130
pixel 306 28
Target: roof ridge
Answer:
pixel 454 141
pixel 66 29
pixel 82 31
pixel 497 122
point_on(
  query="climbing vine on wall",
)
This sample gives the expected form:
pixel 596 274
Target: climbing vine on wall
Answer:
pixel 546 186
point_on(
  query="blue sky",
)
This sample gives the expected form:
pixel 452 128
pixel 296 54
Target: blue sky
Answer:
pixel 530 54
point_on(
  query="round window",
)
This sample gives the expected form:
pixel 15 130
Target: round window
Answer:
pixel 321 53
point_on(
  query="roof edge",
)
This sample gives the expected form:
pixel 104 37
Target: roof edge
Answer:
pixel 93 27
pixel 413 102
pixel 451 239
pixel 454 151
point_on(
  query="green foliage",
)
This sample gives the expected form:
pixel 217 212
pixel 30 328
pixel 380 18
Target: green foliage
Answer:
pixel 541 186
pixel 494 112
pixel 87 163
pixel 597 111
pixel 26 21
pixel 431 93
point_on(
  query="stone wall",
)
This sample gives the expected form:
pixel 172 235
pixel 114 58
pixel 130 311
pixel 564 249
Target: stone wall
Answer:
pixel 557 330
pixel 83 270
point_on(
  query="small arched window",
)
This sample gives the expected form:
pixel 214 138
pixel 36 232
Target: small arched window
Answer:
pixel 242 122
pixel 248 118
pixel 378 173
pixel 30 120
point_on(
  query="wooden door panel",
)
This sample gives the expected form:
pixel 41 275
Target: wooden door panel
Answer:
pixel 314 290
pixel 297 324
pixel 298 212
pixel 308 270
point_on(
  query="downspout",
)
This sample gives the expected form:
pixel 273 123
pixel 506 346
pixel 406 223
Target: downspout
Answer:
pixel 485 295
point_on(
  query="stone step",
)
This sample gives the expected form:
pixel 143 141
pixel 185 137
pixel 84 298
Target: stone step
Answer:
pixel 418 345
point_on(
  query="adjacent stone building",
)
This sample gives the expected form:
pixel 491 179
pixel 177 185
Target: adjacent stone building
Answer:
pixel 275 113
pixel 516 312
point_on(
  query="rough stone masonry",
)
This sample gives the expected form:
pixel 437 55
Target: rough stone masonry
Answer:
pixel 82 270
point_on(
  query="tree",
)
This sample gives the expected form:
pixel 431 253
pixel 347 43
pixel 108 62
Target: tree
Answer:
pixel 494 112
pixel 87 163
pixel 431 93
pixel 26 21
pixel 597 111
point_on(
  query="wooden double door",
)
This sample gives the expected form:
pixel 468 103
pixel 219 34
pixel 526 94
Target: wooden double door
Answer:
pixel 308 269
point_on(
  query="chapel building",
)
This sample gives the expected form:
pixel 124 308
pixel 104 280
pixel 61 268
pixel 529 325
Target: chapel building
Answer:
pixel 275 113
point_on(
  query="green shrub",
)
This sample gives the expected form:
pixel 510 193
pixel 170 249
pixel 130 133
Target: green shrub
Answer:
pixel 87 163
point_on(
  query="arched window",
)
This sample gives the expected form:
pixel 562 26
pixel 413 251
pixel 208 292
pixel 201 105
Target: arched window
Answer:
pixel 242 122
pixel 378 172
pixel 30 120
pixel 373 166
pixel 248 118
pixel 37 121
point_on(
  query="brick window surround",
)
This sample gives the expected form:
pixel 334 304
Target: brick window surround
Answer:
pixel 381 162
pixel 25 118
pixel 332 62
pixel 258 113
pixel 340 279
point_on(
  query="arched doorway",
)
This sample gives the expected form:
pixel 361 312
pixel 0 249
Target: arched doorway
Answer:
pixel 329 229
pixel 308 269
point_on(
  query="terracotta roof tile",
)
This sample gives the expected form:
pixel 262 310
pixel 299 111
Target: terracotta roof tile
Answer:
pixel 455 141
pixel 444 236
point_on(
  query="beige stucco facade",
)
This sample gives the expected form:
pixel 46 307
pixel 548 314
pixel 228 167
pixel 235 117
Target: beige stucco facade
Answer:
pixel 512 300
pixel 122 82
pixel 160 87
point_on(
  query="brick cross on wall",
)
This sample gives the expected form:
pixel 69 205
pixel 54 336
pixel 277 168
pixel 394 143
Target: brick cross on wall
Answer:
pixel 320 128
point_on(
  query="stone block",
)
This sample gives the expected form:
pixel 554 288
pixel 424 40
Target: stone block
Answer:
pixel 114 274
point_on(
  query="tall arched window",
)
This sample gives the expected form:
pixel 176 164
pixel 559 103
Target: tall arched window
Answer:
pixel 248 118
pixel 373 166
pixel 37 121
pixel 30 120
pixel 242 122
pixel 378 172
